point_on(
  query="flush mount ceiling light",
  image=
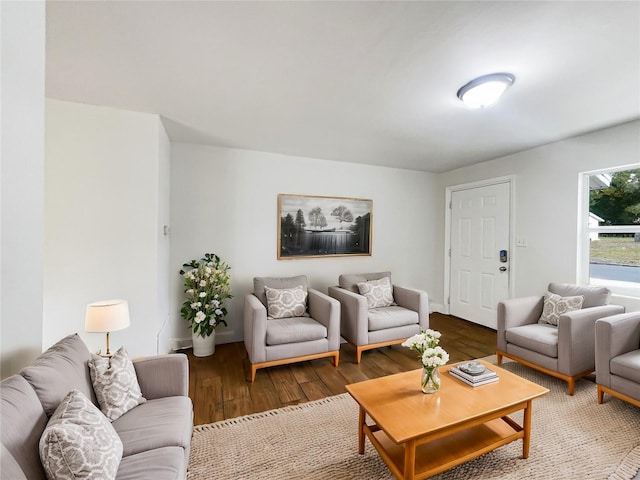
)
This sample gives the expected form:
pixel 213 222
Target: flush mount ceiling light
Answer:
pixel 485 90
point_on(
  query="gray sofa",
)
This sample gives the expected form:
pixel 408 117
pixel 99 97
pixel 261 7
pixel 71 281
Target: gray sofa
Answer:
pixel 156 434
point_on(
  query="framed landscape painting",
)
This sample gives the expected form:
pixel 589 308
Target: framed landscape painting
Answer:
pixel 311 226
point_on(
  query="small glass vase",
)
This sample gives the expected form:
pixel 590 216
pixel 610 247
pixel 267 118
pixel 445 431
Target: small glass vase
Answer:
pixel 430 380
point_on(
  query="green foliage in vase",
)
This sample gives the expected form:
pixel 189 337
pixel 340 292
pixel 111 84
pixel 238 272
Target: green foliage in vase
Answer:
pixel 206 287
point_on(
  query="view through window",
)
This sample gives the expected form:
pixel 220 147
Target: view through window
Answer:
pixel 613 228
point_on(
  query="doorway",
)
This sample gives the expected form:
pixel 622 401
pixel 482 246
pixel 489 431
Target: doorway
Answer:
pixel 479 250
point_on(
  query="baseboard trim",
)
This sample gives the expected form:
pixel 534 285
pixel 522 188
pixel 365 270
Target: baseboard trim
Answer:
pixel 437 307
pixel 176 344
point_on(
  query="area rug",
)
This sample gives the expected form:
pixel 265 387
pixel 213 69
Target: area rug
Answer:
pixel 572 438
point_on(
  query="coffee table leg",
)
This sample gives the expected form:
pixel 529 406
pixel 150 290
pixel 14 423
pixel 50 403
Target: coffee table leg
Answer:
pixel 361 420
pixel 527 429
pixel 409 459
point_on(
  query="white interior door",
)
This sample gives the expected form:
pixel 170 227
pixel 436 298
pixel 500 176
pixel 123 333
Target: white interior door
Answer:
pixel 479 279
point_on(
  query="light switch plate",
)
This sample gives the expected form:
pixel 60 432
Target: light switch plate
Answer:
pixel 521 241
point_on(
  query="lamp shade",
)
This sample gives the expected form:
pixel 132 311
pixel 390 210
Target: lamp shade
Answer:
pixel 107 316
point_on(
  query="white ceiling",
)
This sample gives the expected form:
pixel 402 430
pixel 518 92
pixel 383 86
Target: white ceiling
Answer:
pixel 369 82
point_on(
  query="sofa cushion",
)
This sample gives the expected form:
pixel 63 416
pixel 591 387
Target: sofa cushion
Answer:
pixel 554 306
pixel 163 422
pixel 79 442
pixel 627 366
pixel 167 463
pixel 62 368
pixel 390 317
pixel 350 281
pixel 593 296
pixel 276 282
pixel 9 467
pixel 115 384
pixel 22 424
pixel 378 293
pixel 286 302
pixel 294 330
pixel 539 337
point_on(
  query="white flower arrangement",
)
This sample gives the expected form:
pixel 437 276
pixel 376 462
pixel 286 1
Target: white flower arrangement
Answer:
pixel 207 286
pixel 426 342
pixel 434 357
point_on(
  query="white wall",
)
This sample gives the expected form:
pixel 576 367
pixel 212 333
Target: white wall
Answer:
pixel 113 181
pixel 22 182
pixel 224 201
pixel 547 199
pixel 106 189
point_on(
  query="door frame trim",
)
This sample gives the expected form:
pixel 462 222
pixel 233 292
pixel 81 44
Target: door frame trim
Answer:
pixel 511 181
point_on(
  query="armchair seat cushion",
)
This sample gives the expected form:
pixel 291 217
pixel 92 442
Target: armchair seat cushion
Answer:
pixel 390 317
pixel 627 366
pixel 539 337
pixel 293 330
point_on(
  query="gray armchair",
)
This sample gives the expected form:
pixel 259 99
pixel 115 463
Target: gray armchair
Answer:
pixel 618 357
pixel 366 328
pixel 314 331
pixel 565 351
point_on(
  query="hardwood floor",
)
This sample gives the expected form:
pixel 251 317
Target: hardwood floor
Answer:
pixel 220 390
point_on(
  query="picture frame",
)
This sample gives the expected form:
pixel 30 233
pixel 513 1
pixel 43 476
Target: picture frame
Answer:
pixel 315 226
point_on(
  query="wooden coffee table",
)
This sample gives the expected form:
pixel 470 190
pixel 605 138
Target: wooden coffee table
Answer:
pixel 419 435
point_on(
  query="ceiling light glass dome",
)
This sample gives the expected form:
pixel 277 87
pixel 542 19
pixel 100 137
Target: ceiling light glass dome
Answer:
pixel 485 90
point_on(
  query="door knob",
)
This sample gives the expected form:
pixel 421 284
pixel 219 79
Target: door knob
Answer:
pixel 503 269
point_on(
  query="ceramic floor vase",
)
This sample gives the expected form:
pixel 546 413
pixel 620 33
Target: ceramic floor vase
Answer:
pixel 204 347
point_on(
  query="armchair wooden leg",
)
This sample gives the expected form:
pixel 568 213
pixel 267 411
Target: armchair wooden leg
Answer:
pixel 253 373
pixel 572 385
pixel 336 359
pixel 600 395
pixel 499 358
pixel 358 354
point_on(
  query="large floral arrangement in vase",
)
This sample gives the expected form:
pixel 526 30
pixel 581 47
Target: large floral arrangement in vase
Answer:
pixel 206 287
pixel 431 356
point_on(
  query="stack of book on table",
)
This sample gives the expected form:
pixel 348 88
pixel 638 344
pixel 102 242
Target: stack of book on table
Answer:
pixel 473 373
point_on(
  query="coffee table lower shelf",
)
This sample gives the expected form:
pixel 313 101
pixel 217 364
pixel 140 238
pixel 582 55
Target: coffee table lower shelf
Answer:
pixel 440 454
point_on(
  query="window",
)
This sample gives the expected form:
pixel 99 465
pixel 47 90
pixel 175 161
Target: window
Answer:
pixel 611 230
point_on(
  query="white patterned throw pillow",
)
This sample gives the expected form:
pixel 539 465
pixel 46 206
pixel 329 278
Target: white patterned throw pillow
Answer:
pixel 378 293
pixel 286 302
pixel 555 305
pixel 79 442
pixel 115 383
